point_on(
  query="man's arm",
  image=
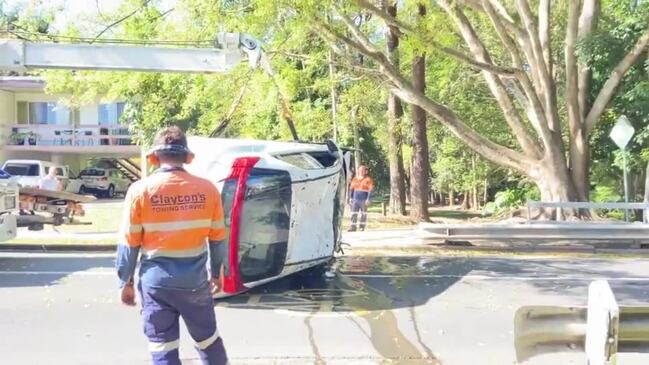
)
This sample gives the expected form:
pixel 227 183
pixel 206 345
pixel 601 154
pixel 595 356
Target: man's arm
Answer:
pixel 130 239
pixel 369 191
pixel 218 257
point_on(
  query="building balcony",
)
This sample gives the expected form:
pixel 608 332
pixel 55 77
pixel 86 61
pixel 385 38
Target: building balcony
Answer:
pixel 82 139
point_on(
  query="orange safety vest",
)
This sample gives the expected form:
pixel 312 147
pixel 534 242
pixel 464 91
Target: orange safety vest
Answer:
pixel 362 184
pixel 172 213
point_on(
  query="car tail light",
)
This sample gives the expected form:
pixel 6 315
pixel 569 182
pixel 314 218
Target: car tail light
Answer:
pixel 240 170
pixel 104 178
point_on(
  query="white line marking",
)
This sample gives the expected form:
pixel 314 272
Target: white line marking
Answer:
pixel 385 276
pixel 73 273
pixel 487 277
pixel 54 255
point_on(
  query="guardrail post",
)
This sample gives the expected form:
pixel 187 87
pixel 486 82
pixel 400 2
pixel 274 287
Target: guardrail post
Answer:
pixel 603 323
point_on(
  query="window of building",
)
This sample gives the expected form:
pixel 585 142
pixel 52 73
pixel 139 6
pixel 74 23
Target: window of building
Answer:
pixel 109 113
pixel 48 113
pixel 42 113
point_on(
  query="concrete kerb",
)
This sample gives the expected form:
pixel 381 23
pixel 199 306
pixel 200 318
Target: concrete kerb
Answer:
pixel 37 247
pixel 406 241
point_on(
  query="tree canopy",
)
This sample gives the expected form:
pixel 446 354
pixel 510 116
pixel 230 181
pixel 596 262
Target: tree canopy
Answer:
pixel 515 90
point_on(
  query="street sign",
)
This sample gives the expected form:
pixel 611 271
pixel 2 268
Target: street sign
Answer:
pixel 622 132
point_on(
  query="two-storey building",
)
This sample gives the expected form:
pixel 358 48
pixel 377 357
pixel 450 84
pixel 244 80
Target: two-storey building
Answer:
pixel 36 125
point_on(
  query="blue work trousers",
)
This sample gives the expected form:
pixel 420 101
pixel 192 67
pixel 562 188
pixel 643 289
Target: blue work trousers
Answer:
pixel 358 208
pixel 161 309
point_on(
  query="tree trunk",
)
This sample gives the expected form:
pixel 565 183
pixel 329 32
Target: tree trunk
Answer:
pixel 465 200
pixel 357 139
pixel 334 104
pixel 646 194
pixel 485 198
pixel 579 151
pixel 395 112
pixel 580 167
pixel 451 197
pixel 555 184
pixel 419 171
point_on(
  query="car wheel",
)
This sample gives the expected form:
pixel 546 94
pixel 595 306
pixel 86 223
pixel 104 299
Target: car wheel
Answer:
pixel 110 193
pixel 82 190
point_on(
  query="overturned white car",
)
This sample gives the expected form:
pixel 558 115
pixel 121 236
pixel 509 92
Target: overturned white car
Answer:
pixel 283 203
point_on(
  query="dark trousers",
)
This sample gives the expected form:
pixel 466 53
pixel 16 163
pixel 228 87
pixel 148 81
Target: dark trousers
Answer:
pixel 358 208
pixel 161 309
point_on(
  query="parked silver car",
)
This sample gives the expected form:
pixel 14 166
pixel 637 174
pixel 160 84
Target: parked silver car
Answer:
pixel 103 182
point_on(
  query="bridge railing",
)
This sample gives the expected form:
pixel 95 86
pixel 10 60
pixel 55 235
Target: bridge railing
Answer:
pixel 586 205
pixel 601 330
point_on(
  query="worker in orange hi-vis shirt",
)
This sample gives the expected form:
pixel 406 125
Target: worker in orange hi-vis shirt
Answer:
pixel 170 217
pixel 359 194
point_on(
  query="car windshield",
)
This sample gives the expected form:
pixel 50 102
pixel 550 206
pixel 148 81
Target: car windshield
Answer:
pixel 92 172
pixel 21 169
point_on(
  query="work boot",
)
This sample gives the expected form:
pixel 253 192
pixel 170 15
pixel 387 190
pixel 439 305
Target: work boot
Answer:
pixel 351 229
pixel 362 229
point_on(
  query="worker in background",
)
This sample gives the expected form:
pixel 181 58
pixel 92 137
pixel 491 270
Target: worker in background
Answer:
pixel 50 181
pixel 174 219
pixel 360 190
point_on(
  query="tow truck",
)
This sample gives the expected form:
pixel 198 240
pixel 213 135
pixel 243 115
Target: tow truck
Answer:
pixel 283 201
pixel 8 206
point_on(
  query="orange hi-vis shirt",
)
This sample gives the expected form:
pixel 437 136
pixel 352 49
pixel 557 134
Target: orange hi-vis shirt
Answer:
pixel 360 188
pixel 170 216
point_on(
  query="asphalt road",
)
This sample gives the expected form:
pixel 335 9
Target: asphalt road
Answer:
pixel 62 309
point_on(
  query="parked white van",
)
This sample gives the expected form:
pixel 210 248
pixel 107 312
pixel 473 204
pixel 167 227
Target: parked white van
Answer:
pixel 29 172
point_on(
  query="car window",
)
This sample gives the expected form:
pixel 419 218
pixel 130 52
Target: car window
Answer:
pixel 22 169
pixel 300 160
pixel 59 170
pixel 325 158
pixel 92 172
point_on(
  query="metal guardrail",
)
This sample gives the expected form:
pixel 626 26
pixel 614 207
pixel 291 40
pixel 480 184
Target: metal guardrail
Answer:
pixel 601 330
pixel 587 205
pixel 537 231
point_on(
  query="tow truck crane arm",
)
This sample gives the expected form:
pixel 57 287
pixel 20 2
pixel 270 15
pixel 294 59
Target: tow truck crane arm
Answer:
pixel 230 50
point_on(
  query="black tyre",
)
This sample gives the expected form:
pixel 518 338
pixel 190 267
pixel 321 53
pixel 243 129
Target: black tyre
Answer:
pixel 110 193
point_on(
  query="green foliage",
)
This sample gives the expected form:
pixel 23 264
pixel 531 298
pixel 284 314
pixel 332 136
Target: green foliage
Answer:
pixel 605 194
pixel 299 57
pixel 601 51
pixel 513 198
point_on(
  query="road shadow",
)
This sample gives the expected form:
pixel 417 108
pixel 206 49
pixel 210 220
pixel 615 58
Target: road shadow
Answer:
pixel 384 283
pixel 360 284
pixel 35 271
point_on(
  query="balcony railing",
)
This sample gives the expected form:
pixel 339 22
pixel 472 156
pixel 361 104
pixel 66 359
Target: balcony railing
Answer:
pixel 63 135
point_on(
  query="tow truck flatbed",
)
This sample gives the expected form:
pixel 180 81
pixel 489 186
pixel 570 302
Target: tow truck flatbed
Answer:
pixel 57 195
